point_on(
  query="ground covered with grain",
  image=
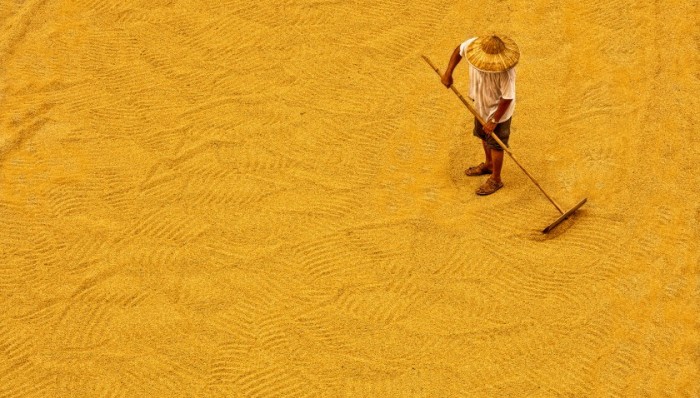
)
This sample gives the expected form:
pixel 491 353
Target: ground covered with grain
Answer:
pixel 267 199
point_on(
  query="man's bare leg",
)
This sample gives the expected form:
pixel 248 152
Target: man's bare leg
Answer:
pixel 487 151
pixel 497 158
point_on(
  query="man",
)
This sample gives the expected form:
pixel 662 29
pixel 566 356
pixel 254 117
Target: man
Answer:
pixel 492 61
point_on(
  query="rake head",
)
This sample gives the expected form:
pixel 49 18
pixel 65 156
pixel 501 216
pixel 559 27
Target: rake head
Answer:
pixel 564 216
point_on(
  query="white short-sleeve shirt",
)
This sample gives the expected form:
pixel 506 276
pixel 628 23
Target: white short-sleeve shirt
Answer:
pixel 486 88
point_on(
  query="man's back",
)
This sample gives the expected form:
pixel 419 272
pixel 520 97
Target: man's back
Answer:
pixel 487 88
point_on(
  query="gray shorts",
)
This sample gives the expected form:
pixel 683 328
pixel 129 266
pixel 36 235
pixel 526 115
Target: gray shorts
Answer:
pixel 502 130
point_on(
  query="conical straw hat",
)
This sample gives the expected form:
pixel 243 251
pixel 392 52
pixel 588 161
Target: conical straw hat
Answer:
pixel 493 53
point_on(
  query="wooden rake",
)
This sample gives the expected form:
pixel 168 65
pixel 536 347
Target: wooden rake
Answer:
pixel 563 214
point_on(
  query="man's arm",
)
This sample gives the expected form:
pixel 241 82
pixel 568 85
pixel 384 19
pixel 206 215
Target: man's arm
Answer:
pixel 454 60
pixel 503 104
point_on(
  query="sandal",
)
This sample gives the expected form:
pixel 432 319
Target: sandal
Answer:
pixel 477 170
pixel 489 187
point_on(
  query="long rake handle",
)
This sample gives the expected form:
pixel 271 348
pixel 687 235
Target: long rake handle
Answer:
pixel 505 148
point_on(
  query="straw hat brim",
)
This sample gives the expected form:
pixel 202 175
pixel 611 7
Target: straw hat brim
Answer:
pixel 492 63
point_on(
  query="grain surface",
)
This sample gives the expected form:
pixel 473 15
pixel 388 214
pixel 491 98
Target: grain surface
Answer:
pixel 267 199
